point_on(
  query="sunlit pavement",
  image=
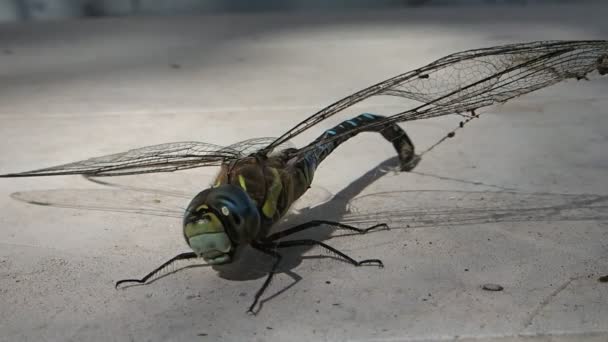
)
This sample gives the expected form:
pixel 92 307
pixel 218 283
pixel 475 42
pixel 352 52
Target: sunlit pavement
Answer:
pixel 517 199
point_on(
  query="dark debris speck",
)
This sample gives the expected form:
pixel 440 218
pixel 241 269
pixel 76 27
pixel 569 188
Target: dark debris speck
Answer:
pixel 603 279
pixel 492 287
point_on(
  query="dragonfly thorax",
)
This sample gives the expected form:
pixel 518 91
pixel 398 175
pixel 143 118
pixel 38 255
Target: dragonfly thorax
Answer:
pixel 218 220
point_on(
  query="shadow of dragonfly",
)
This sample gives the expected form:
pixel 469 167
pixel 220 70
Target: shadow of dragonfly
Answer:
pixel 400 209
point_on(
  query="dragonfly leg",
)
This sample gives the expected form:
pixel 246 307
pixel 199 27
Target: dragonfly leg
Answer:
pixel 182 256
pixel 316 223
pixel 308 242
pixel 266 249
pixel 269 246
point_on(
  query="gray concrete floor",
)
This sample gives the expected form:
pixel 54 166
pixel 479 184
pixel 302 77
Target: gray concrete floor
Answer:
pixel 518 198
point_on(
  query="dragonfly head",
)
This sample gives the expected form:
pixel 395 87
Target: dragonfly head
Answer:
pixel 219 219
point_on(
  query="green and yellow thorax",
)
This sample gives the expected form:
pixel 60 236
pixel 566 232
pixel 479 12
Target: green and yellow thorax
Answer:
pixel 271 184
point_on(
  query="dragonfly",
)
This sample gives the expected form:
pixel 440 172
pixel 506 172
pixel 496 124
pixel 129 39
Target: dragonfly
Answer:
pixel 260 178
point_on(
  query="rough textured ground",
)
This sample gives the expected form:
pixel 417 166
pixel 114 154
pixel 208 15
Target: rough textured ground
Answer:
pixel 519 198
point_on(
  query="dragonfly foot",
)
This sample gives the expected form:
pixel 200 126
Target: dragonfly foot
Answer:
pixel 182 256
pixel 376 227
pixel 139 281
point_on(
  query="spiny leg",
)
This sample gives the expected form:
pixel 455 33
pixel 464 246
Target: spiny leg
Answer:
pixel 316 223
pixel 266 249
pixel 308 242
pixel 183 256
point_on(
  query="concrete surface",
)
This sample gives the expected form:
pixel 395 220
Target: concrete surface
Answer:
pixel 517 199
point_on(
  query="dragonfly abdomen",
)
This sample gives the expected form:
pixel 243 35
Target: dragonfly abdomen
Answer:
pixel 365 122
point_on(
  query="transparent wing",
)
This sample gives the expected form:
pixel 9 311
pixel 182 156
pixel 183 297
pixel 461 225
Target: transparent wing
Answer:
pixel 473 79
pixel 433 208
pixel 250 146
pixel 157 158
pixel 108 200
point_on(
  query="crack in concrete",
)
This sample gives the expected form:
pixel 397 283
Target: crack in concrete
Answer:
pixel 547 300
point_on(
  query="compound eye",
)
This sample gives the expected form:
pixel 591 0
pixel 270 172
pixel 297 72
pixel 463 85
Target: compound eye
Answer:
pixel 237 219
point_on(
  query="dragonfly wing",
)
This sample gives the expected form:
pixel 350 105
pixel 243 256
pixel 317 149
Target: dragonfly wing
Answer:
pixel 433 208
pixel 157 158
pixel 500 74
pixel 250 146
pixel 108 200
pixel 473 79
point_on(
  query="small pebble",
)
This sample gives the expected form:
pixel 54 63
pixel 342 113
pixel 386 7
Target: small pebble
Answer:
pixel 603 279
pixel 492 287
pixel 327 282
